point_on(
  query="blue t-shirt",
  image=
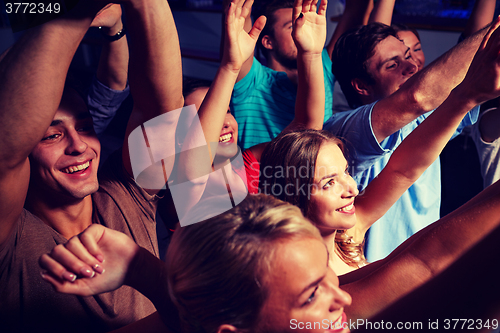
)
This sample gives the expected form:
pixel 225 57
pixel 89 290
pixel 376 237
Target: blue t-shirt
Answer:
pixel 418 206
pixel 263 102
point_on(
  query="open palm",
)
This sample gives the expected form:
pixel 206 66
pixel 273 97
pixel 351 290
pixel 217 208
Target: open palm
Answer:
pixel 309 29
pixel 240 45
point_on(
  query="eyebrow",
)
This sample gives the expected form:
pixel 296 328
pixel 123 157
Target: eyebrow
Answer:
pixel 312 284
pixel 317 281
pixel 327 176
pixel 80 116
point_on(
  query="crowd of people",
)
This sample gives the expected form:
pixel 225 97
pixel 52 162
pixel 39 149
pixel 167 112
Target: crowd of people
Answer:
pixel 282 213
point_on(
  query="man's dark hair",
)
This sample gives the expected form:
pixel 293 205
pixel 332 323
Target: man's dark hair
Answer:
pixel 190 84
pixel 267 8
pixel 350 56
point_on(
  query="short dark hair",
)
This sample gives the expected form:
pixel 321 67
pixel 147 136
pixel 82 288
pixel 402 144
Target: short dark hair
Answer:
pixel 403 27
pixel 190 84
pixel 268 9
pixel 351 53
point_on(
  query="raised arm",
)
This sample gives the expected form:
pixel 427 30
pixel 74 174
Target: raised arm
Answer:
pixel 155 77
pixel 108 91
pixel 32 77
pixel 356 13
pixel 419 150
pixel 423 256
pixel 309 34
pixel 382 12
pixel 425 90
pixel 481 15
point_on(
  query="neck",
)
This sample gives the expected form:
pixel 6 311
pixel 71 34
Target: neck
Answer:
pixel 277 66
pixel 69 219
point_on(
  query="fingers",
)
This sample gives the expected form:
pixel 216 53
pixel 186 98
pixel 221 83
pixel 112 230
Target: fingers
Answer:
pixel 494 27
pixel 257 27
pixel 247 8
pixel 322 7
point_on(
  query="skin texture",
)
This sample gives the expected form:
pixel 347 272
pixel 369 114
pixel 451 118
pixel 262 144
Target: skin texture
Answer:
pixel 390 67
pixel 334 190
pixel 70 141
pixel 302 287
pixel 416 52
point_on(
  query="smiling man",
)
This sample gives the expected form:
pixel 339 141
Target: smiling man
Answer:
pixel 50 188
pixel 391 97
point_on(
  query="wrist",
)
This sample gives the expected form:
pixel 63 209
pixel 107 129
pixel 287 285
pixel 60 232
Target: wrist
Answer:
pixel 114 33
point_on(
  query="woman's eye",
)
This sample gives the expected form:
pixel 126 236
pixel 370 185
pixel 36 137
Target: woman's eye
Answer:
pixel 417 50
pixel 391 66
pixel 311 298
pixel 329 184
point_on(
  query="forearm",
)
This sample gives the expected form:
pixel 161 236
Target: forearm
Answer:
pixel 425 254
pixel 113 63
pixel 481 16
pixel 213 110
pixel 382 12
pixel 32 77
pixel 310 101
pixel 433 85
pixel 355 14
pixel 425 90
pixel 148 275
pixel 155 73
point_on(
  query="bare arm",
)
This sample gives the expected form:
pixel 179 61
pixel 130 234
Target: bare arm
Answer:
pixel 481 16
pixel 382 12
pixel 117 260
pixel 356 13
pixel 32 77
pixel 112 70
pixel 309 34
pixel 427 253
pixel 420 149
pixel 155 77
pixel 425 90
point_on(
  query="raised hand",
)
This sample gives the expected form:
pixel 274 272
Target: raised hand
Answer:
pixel 95 261
pixel 482 81
pixel 309 27
pixel 238 44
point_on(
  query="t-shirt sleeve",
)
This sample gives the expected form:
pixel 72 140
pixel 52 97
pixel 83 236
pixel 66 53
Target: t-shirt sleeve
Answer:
pixel 469 119
pixel 355 129
pixel 247 83
pixel 103 102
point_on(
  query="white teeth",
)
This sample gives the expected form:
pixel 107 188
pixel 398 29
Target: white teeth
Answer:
pixel 76 168
pixel 226 137
pixel 346 208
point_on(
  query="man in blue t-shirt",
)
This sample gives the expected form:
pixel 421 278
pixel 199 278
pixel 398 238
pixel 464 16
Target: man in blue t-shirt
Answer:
pixel 263 100
pixel 376 73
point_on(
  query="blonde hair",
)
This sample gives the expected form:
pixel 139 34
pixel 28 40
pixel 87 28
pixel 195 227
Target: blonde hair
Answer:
pixel 217 268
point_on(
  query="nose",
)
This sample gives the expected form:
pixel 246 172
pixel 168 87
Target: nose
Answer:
pixel 411 66
pixel 350 188
pixel 227 121
pixel 340 298
pixel 76 145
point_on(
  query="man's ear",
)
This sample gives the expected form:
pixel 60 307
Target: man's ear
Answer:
pixel 361 87
pixel 267 42
pixel 227 329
